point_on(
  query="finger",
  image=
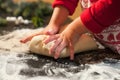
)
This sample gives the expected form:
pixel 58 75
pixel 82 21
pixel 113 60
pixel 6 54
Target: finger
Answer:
pixel 50 38
pixel 57 42
pixel 26 39
pixel 59 49
pixel 71 48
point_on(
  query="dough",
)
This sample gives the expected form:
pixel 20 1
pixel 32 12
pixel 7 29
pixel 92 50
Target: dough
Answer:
pixel 85 43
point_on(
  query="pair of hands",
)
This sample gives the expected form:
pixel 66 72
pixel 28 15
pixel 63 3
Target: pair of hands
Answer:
pixel 62 40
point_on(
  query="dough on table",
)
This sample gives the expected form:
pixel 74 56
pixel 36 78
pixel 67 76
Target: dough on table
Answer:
pixel 85 43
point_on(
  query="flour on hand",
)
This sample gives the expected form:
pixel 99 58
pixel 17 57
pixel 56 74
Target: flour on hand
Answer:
pixel 85 43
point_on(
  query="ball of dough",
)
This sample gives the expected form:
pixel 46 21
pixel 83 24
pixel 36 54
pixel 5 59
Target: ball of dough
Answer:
pixel 85 43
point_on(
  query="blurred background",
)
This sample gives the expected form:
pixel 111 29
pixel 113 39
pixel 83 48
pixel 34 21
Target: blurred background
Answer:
pixel 76 14
pixel 38 11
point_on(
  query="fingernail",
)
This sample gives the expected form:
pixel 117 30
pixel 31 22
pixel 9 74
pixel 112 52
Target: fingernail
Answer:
pixel 55 57
pixel 71 58
pixel 50 53
pixel 22 41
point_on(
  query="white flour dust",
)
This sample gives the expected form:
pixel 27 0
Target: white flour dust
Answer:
pixel 11 42
pixel 14 64
pixel 11 66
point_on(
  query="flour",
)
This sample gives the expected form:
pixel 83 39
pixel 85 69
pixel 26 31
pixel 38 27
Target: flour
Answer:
pixel 15 64
pixel 11 66
pixel 11 42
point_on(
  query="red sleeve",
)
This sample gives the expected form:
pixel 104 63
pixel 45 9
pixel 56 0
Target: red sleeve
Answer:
pixel 69 4
pixel 101 15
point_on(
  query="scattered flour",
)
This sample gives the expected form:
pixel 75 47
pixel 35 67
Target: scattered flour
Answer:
pixel 11 42
pixel 11 64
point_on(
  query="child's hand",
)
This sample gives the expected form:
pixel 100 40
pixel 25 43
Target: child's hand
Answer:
pixel 66 39
pixel 49 30
pixel 59 15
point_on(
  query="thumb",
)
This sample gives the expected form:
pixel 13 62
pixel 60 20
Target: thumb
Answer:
pixel 50 32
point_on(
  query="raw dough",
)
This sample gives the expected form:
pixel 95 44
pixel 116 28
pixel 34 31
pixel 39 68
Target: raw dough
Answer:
pixel 85 43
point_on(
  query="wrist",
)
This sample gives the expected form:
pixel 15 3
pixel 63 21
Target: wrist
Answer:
pixel 59 15
pixel 79 27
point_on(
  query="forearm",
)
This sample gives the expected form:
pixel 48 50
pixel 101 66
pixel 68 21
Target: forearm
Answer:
pixel 77 27
pixel 101 15
pixel 59 16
